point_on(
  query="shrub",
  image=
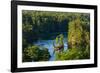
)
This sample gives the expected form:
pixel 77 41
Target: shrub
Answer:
pixel 73 54
pixel 34 53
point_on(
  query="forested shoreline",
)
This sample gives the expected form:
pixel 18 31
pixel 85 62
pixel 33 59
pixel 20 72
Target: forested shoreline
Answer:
pixel 38 25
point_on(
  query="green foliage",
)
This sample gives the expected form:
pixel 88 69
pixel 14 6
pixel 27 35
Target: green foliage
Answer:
pixel 34 53
pixel 59 39
pixel 59 44
pixel 78 34
pixel 41 25
pixel 75 34
pixel 73 54
pixel 78 39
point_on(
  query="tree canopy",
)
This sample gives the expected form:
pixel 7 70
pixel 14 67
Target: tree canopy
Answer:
pixel 38 25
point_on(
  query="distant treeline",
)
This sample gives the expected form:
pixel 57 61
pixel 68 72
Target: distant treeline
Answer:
pixel 38 24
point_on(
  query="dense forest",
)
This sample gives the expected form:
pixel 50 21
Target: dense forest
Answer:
pixel 45 25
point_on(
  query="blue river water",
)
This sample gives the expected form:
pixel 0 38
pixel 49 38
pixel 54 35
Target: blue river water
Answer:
pixel 49 45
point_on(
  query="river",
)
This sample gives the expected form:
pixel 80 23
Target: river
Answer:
pixel 49 45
